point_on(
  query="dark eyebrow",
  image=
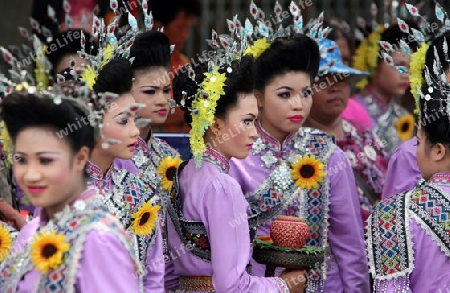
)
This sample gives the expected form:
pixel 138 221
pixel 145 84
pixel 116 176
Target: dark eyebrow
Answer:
pixel 118 114
pixel 38 153
pixel 250 114
pixel 284 87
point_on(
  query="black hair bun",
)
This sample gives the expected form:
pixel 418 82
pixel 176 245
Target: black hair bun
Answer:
pixel 183 83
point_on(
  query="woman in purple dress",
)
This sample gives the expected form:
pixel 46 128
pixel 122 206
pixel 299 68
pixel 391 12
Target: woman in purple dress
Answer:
pixel 408 235
pixel 134 203
pixel 378 93
pixel 299 171
pixel 73 245
pixel 210 251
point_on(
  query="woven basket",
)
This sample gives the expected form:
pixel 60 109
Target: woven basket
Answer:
pixel 287 259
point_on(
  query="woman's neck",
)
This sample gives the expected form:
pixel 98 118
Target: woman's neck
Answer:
pixel 275 133
pixel 331 127
pixel 99 159
pixel 145 133
pixel 381 92
pixel 79 187
pixel 214 143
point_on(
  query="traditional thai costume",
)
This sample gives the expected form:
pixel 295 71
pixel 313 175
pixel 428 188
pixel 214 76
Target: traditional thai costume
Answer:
pixel 386 118
pixel 92 248
pixel 124 195
pixel 369 163
pixel 331 210
pixel 148 158
pixel 403 172
pixel 409 241
pixel 209 235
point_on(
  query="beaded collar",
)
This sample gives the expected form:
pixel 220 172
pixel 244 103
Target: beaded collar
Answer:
pixel 265 140
pixel 96 173
pixel 214 157
pixel 441 179
pixel 376 105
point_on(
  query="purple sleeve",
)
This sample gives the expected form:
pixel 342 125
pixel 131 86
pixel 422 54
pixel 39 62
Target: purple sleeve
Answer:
pixel 346 236
pixel 106 265
pixel 403 172
pixel 154 279
pixel 25 235
pixel 227 225
pixel 170 277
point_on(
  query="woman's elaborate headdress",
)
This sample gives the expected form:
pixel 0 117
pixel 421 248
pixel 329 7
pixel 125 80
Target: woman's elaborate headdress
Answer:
pixel 248 39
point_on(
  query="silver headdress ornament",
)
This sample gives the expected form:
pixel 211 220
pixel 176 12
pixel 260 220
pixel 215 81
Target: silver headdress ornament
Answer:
pixel 434 78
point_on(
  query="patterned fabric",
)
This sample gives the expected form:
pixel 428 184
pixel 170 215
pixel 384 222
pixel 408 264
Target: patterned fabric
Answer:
pixel 384 116
pixel 74 222
pixel 390 242
pixel 368 159
pixel 196 284
pixel 309 204
pixel 193 233
pixel 147 159
pixel 123 194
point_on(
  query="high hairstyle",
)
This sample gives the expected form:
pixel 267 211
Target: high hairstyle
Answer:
pixel 68 45
pixel 167 10
pixel 115 77
pixel 22 111
pixel 238 81
pixel 150 49
pixel 394 34
pixel 437 45
pixel 299 54
pixel 434 122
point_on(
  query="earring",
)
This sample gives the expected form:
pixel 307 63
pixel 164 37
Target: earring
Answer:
pixel 218 134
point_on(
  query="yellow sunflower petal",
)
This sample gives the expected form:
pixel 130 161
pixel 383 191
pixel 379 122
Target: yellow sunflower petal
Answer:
pixel 167 169
pixel 5 242
pixel 47 250
pixel 405 126
pixel 144 220
pixel 307 172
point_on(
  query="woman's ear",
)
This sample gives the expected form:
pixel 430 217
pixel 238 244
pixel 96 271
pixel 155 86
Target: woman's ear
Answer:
pixel 81 158
pixel 259 98
pixel 438 152
pixel 217 126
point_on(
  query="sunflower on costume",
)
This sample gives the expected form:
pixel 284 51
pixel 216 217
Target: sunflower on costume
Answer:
pixel 405 126
pixel 47 250
pixel 307 172
pixel 167 169
pixel 5 243
pixel 144 220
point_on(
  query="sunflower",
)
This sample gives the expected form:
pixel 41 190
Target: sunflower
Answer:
pixel 5 242
pixel 405 126
pixel 307 172
pixel 47 250
pixel 144 220
pixel 167 169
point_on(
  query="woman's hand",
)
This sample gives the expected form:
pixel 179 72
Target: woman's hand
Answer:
pixel 296 280
pixel 13 217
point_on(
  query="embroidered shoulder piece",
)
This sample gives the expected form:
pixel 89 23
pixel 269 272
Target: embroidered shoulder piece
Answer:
pixel 389 242
pixel 390 245
pixel 430 207
pixel 193 234
pixel 75 225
